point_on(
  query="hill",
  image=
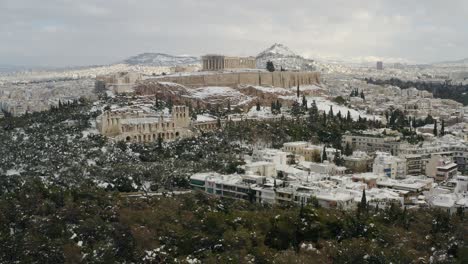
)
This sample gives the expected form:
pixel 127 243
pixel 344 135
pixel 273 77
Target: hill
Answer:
pixel 161 60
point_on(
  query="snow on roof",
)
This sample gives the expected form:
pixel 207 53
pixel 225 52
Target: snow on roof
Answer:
pixel 205 118
pixel 296 144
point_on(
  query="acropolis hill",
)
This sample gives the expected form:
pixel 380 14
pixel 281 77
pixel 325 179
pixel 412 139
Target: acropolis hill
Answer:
pixel 234 79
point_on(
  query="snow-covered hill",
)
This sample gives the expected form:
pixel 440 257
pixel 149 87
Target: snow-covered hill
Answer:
pixel 282 56
pixel 161 60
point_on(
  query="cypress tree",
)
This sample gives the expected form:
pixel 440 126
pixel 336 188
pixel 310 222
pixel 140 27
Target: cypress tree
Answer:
pixel 324 154
pixel 270 66
pixel 435 128
pixel 348 151
pixel 348 117
pixel 298 92
pixel 258 106
pixel 304 102
pixel 442 129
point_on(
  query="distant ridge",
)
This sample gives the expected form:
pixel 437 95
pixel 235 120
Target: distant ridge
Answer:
pixel 161 60
pixel 462 62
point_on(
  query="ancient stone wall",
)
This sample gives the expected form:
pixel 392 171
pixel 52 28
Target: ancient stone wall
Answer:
pixel 276 79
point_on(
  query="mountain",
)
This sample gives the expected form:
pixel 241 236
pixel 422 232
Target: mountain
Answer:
pixel 455 63
pixel 282 56
pixel 161 60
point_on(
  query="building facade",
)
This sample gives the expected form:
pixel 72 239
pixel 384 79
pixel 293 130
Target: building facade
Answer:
pixel 220 62
pixel 441 168
pixel 389 166
pixel 137 126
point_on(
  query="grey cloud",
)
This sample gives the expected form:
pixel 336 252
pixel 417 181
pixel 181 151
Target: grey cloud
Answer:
pixel 66 32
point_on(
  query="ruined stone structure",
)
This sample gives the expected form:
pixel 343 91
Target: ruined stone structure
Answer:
pixel 121 82
pixel 275 79
pixel 137 125
pixel 133 125
pixel 219 62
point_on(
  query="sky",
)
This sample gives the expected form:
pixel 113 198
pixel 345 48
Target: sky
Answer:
pixel 93 32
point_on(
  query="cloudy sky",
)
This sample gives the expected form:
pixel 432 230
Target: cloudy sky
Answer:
pixel 83 32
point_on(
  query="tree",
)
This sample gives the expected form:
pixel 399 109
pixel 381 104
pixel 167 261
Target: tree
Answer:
pixel 348 117
pixel 339 161
pixel 298 92
pixel 270 66
pixel 348 151
pixel 258 106
pixel 362 207
pixel 362 95
pixel 278 106
pixel 324 154
pixel 170 104
pixel 434 131
pixel 160 141
pixel 304 102
pixel 273 108
pixel 296 109
pixel 339 115
pixel 330 113
pixel 442 129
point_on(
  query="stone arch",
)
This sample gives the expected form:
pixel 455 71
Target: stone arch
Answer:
pixel 177 134
pixel 128 138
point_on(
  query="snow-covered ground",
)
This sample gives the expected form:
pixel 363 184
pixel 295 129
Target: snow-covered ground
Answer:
pixel 324 104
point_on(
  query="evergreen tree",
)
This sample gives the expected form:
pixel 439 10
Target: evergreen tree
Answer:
pixel 278 106
pixel 442 129
pixel 170 104
pixel 348 117
pixel 296 109
pixel 339 161
pixel 435 128
pixel 330 113
pixel 348 151
pixel 339 115
pixel 362 95
pixel 362 207
pixel 229 105
pixel 270 66
pixel 298 91
pixel 273 107
pixel 160 141
pixel 324 118
pixel 258 106
pixel 304 102
pixel 324 154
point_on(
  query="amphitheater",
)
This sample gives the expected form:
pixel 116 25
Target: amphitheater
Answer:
pixel 274 79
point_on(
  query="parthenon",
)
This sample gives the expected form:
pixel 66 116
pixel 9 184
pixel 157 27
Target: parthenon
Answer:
pixel 220 62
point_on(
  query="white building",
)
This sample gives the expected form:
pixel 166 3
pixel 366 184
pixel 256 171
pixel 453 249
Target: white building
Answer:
pixel 261 168
pixel 389 166
pixel 441 168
